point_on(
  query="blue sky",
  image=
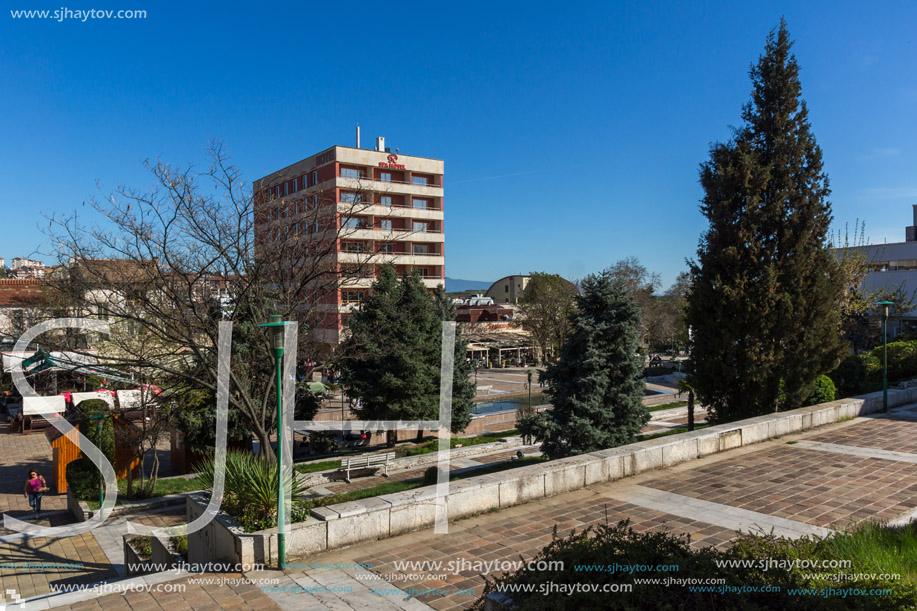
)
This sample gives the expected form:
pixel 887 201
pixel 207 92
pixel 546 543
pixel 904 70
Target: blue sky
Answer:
pixel 571 132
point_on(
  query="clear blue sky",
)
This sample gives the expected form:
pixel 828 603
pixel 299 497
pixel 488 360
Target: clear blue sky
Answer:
pixel 572 132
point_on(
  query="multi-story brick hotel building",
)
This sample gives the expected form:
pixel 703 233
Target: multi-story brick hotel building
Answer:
pixel 369 207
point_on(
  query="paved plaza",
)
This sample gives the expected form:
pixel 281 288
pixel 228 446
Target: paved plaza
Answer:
pixel 802 484
pixel 792 489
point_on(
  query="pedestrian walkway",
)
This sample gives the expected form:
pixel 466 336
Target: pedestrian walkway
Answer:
pixel 799 485
pixel 785 487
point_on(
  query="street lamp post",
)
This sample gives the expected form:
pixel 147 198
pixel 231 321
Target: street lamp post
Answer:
pixel 884 305
pixel 529 372
pixel 277 326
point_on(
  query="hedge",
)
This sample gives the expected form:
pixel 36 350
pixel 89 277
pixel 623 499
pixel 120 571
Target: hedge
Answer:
pixel 862 373
pixel 83 478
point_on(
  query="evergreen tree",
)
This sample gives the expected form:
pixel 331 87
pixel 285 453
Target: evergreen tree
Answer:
pixel 392 358
pixel 762 305
pixel 463 388
pixel 594 387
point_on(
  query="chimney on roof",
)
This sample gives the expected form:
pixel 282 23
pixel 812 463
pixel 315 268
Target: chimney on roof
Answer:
pixel 358 135
pixel 380 144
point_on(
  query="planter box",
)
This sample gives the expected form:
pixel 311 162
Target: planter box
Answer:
pixel 133 565
pixel 81 511
pixel 224 540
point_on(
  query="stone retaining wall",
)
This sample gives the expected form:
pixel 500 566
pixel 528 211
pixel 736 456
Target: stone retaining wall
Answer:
pixel 320 478
pixel 389 515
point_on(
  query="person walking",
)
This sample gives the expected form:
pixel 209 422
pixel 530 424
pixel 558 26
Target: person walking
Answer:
pixel 35 487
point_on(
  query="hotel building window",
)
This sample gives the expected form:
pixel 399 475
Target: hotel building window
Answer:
pixel 351 173
pixel 385 177
pixel 386 200
pixel 386 225
pixel 421 226
pixel 420 180
pixel 352 297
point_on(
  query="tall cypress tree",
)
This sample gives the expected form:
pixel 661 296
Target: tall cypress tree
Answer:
pixel 594 389
pixel 764 287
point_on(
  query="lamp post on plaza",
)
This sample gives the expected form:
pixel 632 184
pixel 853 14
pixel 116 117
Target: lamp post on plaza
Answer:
pixel 884 305
pixel 529 372
pixel 277 349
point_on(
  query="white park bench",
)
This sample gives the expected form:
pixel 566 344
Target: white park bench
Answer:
pixel 365 461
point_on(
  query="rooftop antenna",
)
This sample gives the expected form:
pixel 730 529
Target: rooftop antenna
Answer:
pixel 358 135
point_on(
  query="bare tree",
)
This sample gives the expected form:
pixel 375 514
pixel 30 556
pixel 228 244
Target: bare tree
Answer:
pixel 545 308
pixel 166 264
pixel 641 284
pixel 857 299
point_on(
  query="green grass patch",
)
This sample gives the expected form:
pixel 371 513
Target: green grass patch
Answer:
pixel 433 445
pixel 672 405
pixel 874 548
pixel 675 431
pixel 314 467
pixel 393 487
pixel 163 487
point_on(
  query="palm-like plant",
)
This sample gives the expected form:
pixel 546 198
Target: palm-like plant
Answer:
pixel 251 482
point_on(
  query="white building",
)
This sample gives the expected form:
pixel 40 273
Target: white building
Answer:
pixel 894 267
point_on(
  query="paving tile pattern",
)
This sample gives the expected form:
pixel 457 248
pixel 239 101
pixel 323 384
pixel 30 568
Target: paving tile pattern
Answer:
pixel 896 435
pixel 200 597
pixel 519 531
pixel 824 489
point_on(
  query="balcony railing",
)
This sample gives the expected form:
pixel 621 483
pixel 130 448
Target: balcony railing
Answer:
pixel 435 184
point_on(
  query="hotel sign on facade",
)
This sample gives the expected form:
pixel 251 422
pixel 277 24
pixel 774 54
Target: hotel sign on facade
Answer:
pixel 392 163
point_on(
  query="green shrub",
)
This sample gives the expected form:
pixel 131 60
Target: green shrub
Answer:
pixel 586 556
pixel 322 443
pixel 180 544
pixel 430 476
pixel 862 373
pixel 83 478
pixel 143 545
pixel 250 489
pixel 823 391
pixel 89 425
pixel 902 360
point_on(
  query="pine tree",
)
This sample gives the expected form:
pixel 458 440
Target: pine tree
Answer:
pixel 392 357
pixel 761 307
pixel 463 388
pixel 594 387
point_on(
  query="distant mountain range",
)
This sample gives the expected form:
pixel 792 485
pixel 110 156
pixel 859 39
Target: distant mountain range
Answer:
pixel 454 285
